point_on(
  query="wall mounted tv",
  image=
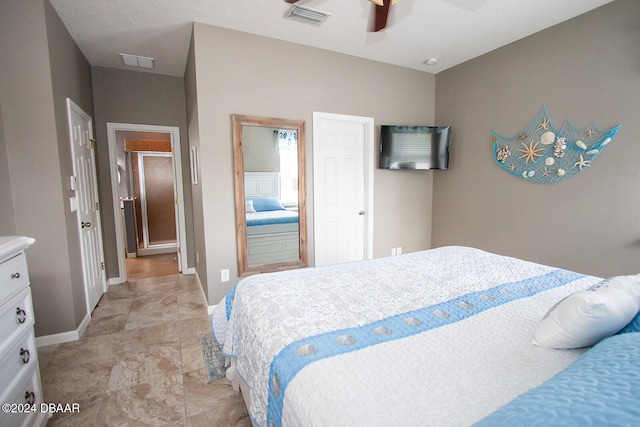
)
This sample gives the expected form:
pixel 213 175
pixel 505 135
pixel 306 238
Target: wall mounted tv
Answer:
pixel 414 147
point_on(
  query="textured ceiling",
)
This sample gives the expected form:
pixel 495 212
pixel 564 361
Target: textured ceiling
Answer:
pixel 453 31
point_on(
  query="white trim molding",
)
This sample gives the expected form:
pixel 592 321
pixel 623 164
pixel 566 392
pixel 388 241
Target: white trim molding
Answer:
pixel 63 337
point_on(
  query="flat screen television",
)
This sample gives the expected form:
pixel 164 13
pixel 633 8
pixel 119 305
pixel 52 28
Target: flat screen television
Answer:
pixel 414 147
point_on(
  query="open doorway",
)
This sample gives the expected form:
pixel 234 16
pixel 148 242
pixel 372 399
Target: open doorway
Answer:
pixel 148 201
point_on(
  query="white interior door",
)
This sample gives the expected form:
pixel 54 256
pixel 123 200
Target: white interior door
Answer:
pixel 85 202
pixel 342 188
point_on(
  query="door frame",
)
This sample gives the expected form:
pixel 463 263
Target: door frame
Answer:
pixel 369 168
pixel 72 106
pixel 174 132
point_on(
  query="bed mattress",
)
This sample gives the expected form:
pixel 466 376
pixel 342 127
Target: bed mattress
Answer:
pixel 272 222
pixel 439 337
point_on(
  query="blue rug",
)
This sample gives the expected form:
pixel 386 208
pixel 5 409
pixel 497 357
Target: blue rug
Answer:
pixel 213 358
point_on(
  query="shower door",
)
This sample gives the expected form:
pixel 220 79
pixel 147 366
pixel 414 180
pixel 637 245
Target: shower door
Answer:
pixel 157 220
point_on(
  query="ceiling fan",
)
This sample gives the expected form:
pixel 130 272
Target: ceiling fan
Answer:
pixel 381 12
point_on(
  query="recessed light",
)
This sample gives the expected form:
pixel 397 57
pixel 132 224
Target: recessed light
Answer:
pixel 431 61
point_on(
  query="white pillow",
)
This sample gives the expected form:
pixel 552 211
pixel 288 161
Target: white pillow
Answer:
pixel 586 317
pixel 248 206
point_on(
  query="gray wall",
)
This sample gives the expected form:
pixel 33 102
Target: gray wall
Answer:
pixel 259 149
pixel 34 88
pixel 123 96
pixel 239 73
pixel 71 78
pixel 191 94
pixel 585 70
pixel 7 220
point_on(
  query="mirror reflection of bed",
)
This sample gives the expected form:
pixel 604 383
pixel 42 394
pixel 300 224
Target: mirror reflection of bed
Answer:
pixel 272 227
pixel 271 195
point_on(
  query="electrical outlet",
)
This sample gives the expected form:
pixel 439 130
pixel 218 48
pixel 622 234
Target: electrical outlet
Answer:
pixel 393 251
pixel 398 251
pixel 224 275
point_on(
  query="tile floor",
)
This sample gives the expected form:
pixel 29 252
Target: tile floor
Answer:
pixel 140 363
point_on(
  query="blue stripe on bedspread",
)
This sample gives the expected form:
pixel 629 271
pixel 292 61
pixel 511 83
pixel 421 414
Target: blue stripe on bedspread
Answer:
pixel 299 354
pixel 228 301
pixel 267 221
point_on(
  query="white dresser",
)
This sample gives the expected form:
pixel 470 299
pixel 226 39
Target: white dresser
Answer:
pixel 20 387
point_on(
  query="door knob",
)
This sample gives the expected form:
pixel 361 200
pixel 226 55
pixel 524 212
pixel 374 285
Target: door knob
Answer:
pixel 361 213
pixel 86 224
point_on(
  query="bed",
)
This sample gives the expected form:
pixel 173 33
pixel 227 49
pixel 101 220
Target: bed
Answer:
pixel 272 229
pixel 438 337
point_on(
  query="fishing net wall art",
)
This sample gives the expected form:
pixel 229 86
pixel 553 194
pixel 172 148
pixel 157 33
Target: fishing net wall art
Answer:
pixel 543 154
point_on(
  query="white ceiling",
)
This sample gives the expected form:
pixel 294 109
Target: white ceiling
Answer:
pixel 453 31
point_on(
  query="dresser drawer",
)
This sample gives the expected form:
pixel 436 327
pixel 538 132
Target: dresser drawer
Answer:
pixel 18 357
pixel 13 275
pixel 16 317
pixel 27 391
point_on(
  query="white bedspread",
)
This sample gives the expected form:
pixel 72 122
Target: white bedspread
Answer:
pixel 440 337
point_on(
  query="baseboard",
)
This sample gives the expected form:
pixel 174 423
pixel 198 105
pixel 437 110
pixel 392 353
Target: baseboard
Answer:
pixel 116 280
pixel 63 337
pixel 160 249
pixel 119 279
pixel 204 295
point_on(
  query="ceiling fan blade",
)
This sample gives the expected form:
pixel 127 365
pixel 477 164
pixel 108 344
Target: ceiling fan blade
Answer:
pixel 381 15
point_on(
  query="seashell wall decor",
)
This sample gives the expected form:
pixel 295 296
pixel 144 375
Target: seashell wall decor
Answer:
pixel 545 155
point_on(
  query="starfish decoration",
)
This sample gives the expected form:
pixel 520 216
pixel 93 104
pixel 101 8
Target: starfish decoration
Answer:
pixel 544 154
pixel 530 152
pixel 544 125
pixel 582 163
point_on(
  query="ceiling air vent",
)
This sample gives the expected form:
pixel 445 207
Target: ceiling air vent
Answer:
pixel 137 61
pixel 307 15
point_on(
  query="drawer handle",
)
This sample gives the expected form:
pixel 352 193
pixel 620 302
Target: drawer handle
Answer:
pixel 25 355
pixel 30 397
pixel 15 276
pixel 21 315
